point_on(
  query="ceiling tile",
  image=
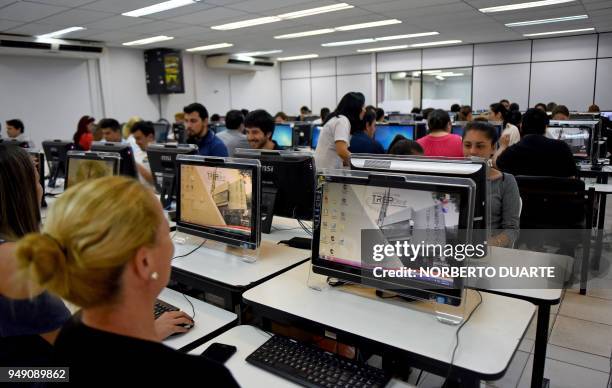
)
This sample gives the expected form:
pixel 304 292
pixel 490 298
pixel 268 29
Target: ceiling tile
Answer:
pixel 258 6
pixel 119 6
pixel 34 29
pixel 28 12
pixel 116 22
pixel 212 17
pixel 180 11
pixel 76 17
pixel 8 24
pixel 63 3
pixel 153 28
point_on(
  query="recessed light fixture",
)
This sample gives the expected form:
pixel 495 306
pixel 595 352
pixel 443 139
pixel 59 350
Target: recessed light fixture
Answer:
pixel 259 53
pixel 438 43
pixel 439 77
pixel 155 8
pixel 388 48
pixel 61 32
pixel 382 38
pixel 297 57
pixel 150 40
pixel 432 71
pixel 285 16
pixel 559 32
pixel 341 28
pixel 531 4
pixel 544 21
pixel 210 47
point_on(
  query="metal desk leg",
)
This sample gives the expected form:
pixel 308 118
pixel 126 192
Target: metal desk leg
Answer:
pixel 601 219
pixel 539 353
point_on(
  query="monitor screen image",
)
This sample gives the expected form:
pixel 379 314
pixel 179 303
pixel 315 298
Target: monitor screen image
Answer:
pixel 457 130
pixel 608 115
pixel 386 133
pixel 217 198
pixel 316 132
pixel 578 139
pixel 80 170
pixel 283 135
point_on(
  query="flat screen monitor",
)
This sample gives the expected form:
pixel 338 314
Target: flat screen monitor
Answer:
pixel 457 128
pixel 161 132
pixel 578 138
pixel 386 133
pixel 390 208
pixel 162 161
pixel 18 143
pixel 607 115
pixel 38 158
pixel 86 165
pixel 56 152
pixel 287 183
pixel 316 132
pixel 128 164
pixel 283 135
pixel 219 199
pixel 302 132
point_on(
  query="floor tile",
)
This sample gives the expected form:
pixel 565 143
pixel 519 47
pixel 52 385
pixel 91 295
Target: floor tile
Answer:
pixel 582 335
pixel 587 308
pixel 531 331
pixel 527 345
pixel 575 357
pixel 564 375
pixel 514 372
pixel 596 287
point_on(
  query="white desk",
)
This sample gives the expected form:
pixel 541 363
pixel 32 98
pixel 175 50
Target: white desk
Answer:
pixel 487 341
pixel 246 339
pixel 209 320
pixel 285 229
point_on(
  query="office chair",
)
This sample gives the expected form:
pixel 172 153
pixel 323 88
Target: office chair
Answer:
pixel 557 207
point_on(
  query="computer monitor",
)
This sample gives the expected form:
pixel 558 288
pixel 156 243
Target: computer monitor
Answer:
pixel 607 115
pixel 302 132
pixel 400 117
pixel 162 161
pixel 584 116
pixel 86 165
pixel 56 152
pixel 161 132
pixel 458 127
pixel 420 130
pixel 475 169
pixel 283 135
pixel 18 143
pixel 219 199
pixel 385 133
pixel 316 132
pixel 577 137
pixel 128 164
pixel 218 128
pixel 356 211
pixel 287 183
pixel 38 158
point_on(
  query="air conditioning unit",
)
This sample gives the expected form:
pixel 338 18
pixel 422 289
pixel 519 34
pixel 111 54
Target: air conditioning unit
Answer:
pixel 23 45
pixel 239 62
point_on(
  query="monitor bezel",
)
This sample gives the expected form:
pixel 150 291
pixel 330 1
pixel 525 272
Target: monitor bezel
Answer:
pixel 92 155
pixel 158 150
pixel 123 149
pixel 411 125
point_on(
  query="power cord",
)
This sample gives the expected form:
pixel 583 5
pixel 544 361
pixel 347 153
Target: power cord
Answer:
pixel 457 336
pixel 187 254
pixel 193 312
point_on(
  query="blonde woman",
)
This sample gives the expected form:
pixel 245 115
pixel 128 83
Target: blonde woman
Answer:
pixel 106 247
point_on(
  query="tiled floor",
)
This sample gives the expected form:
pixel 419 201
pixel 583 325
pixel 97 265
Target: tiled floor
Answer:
pixel 580 343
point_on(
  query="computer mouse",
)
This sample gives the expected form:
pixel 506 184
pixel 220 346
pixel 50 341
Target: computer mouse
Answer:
pixel 186 325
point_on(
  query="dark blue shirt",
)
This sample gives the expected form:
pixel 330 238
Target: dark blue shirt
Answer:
pixel 361 143
pixel 211 145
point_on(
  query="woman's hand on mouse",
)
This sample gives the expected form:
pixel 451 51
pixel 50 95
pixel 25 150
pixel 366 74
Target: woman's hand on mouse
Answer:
pixel 170 323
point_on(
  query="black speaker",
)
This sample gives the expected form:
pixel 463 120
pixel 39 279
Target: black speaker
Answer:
pixel 164 71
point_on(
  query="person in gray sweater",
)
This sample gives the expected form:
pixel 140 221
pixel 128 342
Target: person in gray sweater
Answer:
pixel 479 139
pixel 233 137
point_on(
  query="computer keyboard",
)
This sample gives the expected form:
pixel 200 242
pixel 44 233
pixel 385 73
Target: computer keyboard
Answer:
pixel 161 307
pixel 310 366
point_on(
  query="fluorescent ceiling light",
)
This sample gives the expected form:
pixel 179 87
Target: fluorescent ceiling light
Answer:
pixel 259 53
pixel 438 43
pixel 155 8
pixel 368 25
pixel 531 4
pixel 440 78
pixel 372 40
pixel 388 48
pixel 315 11
pixel 416 74
pixel 432 71
pixel 559 32
pixel 210 47
pixel 61 32
pixel 153 39
pixel 544 21
pixel 285 16
pixel 306 33
pixel 296 57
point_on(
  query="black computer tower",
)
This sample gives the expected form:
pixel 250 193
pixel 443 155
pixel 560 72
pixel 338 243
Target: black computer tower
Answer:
pixel 164 71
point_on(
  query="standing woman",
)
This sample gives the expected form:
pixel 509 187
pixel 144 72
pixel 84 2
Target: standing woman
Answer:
pixel 498 112
pixel 83 137
pixel 332 151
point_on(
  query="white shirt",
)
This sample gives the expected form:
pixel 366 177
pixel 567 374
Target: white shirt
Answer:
pixel 513 131
pixel 336 129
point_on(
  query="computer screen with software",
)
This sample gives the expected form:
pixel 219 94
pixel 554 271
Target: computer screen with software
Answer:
pixel 283 135
pixel 577 138
pixel 386 133
pixel 316 132
pixel 218 198
pixel 83 165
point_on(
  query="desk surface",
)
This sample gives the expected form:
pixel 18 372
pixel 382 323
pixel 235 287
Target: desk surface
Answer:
pixel 600 187
pixel 486 343
pixel 246 339
pixel 208 318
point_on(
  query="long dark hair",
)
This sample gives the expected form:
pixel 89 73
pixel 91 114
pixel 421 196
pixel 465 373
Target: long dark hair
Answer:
pixel 350 106
pixel 500 108
pixel 19 205
pixel 82 128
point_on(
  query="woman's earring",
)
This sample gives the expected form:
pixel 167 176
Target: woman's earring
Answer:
pixel 154 275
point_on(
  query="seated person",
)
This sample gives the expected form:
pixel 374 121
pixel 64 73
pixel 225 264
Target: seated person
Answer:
pixel 439 141
pixel 479 140
pixel 144 134
pixel 535 154
pixel 304 113
pixel 380 115
pixel 362 140
pixel 111 130
pixel 196 125
pixel 560 113
pixel 15 131
pixel 322 116
pixel 465 113
pixel 281 118
pixel 403 146
pixel 259 126
pixel 106 248
pixel 498 112
pixel 233 137
pixel 541 106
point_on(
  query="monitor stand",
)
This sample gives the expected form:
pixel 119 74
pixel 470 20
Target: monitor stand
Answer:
pixel 167 191
pixel 268 200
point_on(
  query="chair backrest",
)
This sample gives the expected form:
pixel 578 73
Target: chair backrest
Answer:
pixel 554 203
